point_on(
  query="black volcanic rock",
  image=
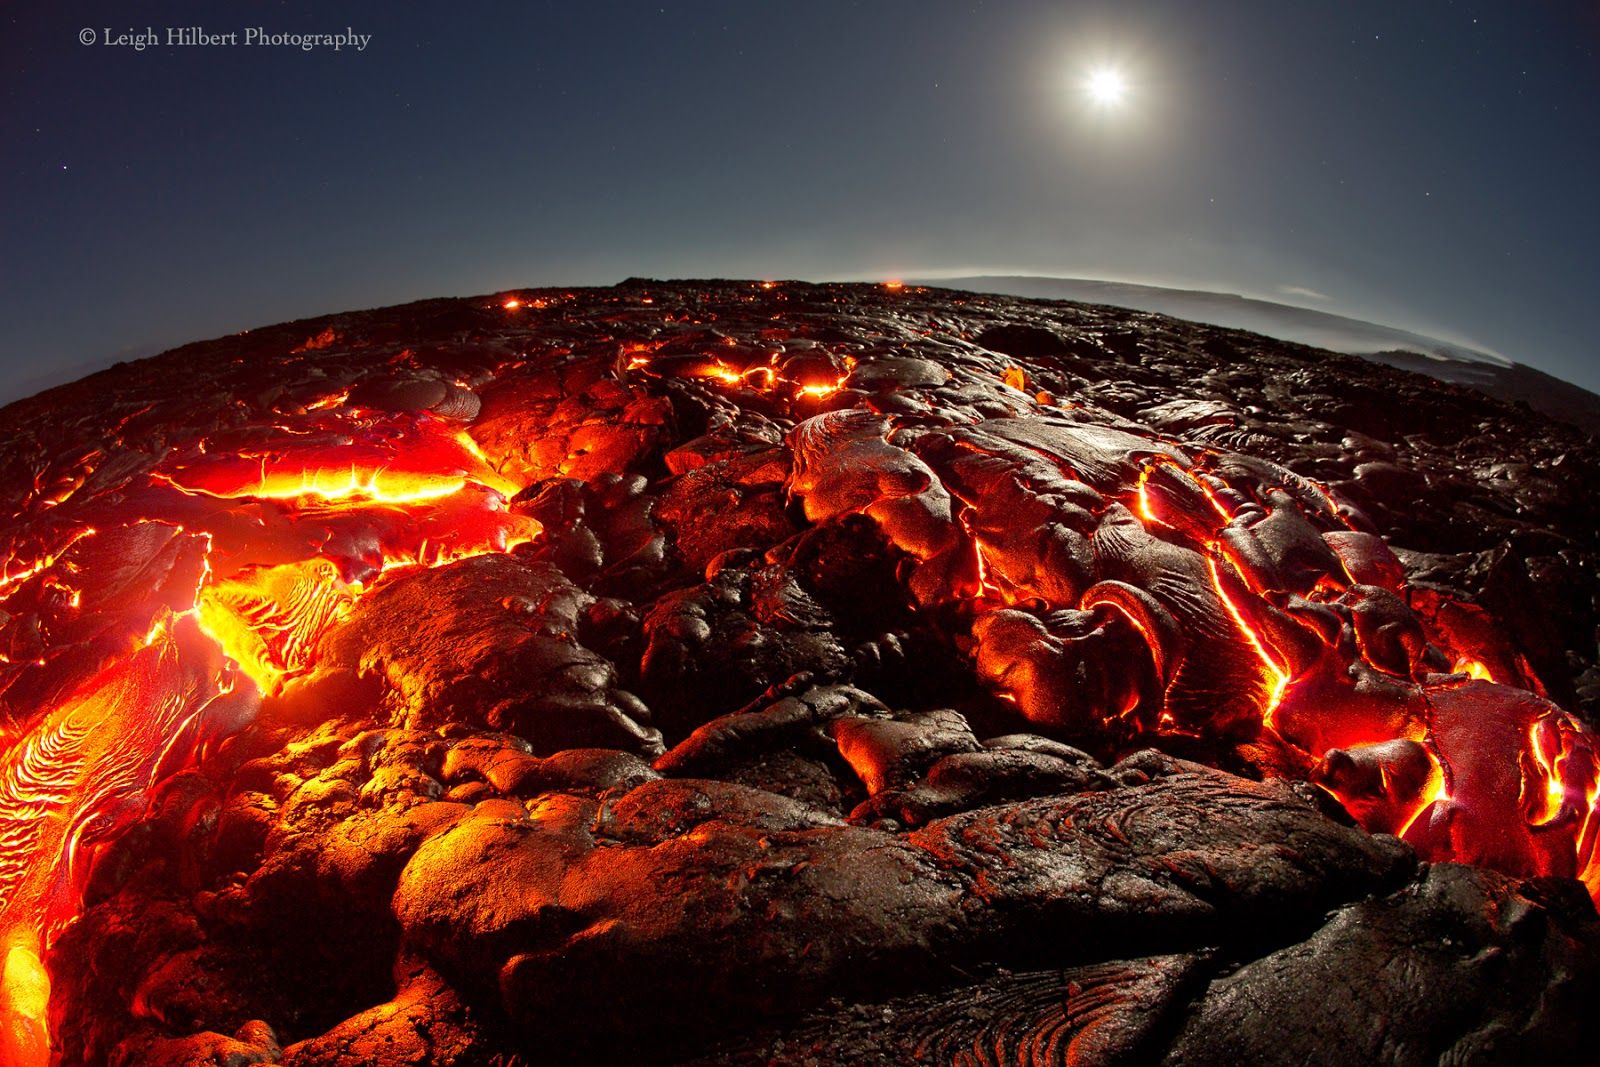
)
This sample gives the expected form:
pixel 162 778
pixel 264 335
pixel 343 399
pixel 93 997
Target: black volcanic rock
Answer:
pixel 864 697
pixel 1445 361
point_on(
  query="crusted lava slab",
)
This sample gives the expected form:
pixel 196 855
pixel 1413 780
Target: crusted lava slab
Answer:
pixel 738 673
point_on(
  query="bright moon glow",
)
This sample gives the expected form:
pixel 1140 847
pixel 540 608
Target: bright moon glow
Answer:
pixel 1106 86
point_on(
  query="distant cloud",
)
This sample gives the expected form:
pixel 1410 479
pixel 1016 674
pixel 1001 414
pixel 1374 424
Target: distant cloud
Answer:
pixel 1299 290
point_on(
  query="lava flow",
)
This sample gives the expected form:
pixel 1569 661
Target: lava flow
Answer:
pixel 1223 568
pixel 202 591
pixel 852 614
pixel 1259 606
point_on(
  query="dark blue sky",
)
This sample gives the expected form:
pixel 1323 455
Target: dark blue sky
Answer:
pixel 1427 164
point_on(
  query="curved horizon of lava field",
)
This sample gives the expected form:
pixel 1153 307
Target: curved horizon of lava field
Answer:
pixel 738 673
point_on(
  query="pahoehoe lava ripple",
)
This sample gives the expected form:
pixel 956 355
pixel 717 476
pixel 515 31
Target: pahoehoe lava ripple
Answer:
pixel 773 673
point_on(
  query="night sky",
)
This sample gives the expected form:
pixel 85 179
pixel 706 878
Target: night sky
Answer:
pixel 1425 164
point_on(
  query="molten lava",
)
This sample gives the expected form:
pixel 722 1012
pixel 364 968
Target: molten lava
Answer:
pixel 1277 678
pixel 269 621
pixel 1111 586
pixel 276 542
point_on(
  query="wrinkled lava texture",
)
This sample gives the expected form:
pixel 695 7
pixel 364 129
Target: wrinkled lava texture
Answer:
pixel 738 673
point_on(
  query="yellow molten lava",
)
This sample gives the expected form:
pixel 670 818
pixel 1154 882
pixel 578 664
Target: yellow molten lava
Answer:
pixel 408 490
pixel 268 622
pixel 24 996
pixel 379 485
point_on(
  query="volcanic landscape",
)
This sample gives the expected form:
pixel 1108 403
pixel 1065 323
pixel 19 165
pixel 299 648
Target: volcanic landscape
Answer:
pixel 739 673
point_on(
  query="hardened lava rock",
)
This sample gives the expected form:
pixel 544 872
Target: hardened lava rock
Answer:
pixel 741 673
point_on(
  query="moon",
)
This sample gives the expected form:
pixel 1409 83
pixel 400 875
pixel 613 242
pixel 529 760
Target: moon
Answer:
pixel 1106 86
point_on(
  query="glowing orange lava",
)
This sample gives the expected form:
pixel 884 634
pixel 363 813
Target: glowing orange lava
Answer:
pixel 764 377
pixel 821 389
pixel 1278 677
pixel 412 462
pixel 280 539
pixel 986 584
pixel 9 577
pixel 1437 791
pixel 260 544
pixel 269 620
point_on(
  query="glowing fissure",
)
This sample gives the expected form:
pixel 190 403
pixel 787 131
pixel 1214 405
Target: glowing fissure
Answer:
pixel 193 673
pixel 1436 791
pixel 1420 723
pixel 10 578
pixel 761 376
pixel 1278 677
pixel 1556 757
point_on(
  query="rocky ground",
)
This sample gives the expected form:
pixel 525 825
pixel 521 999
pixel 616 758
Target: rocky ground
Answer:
pixel 864 699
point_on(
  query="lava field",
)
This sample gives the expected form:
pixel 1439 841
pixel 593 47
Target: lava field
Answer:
pixel 765 673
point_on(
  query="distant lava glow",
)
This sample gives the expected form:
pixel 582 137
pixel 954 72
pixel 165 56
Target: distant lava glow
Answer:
pixel 256 552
